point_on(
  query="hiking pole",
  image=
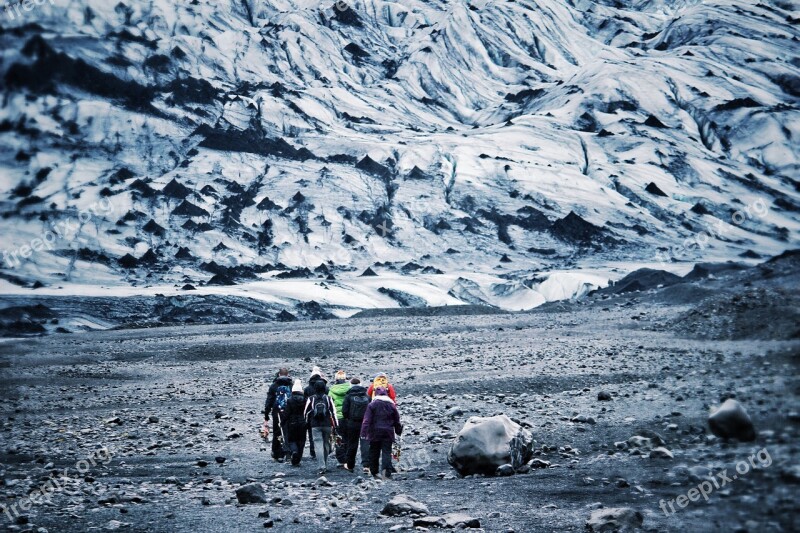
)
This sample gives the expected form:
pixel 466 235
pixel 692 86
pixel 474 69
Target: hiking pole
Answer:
pixel 283 439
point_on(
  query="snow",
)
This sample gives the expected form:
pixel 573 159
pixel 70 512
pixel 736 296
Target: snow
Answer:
pixel 449 109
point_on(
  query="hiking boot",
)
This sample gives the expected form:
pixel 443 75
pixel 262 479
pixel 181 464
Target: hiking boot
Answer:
pixel 386 474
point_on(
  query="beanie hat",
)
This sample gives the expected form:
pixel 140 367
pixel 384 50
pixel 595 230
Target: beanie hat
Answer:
pixel 341 375
pixel 319 387
pixel 355 381
pixel 298 386
pixel 316 372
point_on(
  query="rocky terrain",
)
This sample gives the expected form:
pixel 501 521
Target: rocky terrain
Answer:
pixel 156 429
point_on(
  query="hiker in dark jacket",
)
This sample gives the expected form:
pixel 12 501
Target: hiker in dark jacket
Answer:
pixel 354 408
pixel 275 406
pixel 316 375
pixel 321 415
pixel 295 423
pixel 381 422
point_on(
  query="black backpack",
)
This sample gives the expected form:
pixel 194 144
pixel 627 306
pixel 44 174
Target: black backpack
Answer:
pixel 358 406
pixel 320 411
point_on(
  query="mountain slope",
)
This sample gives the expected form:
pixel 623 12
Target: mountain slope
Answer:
pixel 465 152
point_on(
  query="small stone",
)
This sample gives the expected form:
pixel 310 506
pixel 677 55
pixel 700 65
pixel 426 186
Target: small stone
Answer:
pixel 460 520
pixel 430 522
pixel 604 396
pixel 403 504
pixel 731 421
pixel 540 463
pixel 660 453
pixel 791 474
pixel 219 459
pixel 617 519
pixel 505 470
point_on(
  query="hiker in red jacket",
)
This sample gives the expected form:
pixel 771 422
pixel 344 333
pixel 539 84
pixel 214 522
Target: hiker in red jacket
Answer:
pixel 381 380
pixel 381 423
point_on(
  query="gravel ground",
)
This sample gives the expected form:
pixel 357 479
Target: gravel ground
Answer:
pixel 154 408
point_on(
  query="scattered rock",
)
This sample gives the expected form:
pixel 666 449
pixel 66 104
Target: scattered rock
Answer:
pixel 403 504
pixel 604 396
pixel 540 463
pixel 251 493
pixel 660 453
pixel 505 470
pixel 450 521
pixel 731 421
pixel 430 522
pixel 455 412
pixel 791 474
pixel 617 519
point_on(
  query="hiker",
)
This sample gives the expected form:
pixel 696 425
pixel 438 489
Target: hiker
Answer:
pixel 321 416
pixel 353 409
pixel 381 422
pixel 275 406
pixel 295 423
pixel 337 393
pixel 381 380
pixel 316 375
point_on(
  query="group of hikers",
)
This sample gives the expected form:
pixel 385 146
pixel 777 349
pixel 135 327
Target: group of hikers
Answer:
pixel 343 417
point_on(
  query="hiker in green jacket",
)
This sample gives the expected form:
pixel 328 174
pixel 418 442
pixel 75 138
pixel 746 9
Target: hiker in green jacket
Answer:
pixel 337 393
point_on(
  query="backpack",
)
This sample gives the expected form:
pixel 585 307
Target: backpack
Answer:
pixel 282 395
pixel 358 406
pixel 320 410
pixel 380 381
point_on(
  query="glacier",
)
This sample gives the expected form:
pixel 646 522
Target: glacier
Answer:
pixel 465 152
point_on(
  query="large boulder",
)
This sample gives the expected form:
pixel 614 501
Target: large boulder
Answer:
pixel 251 493
pixel 615 519
pixel 402 504
pixel 484 444
pixel 731 421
